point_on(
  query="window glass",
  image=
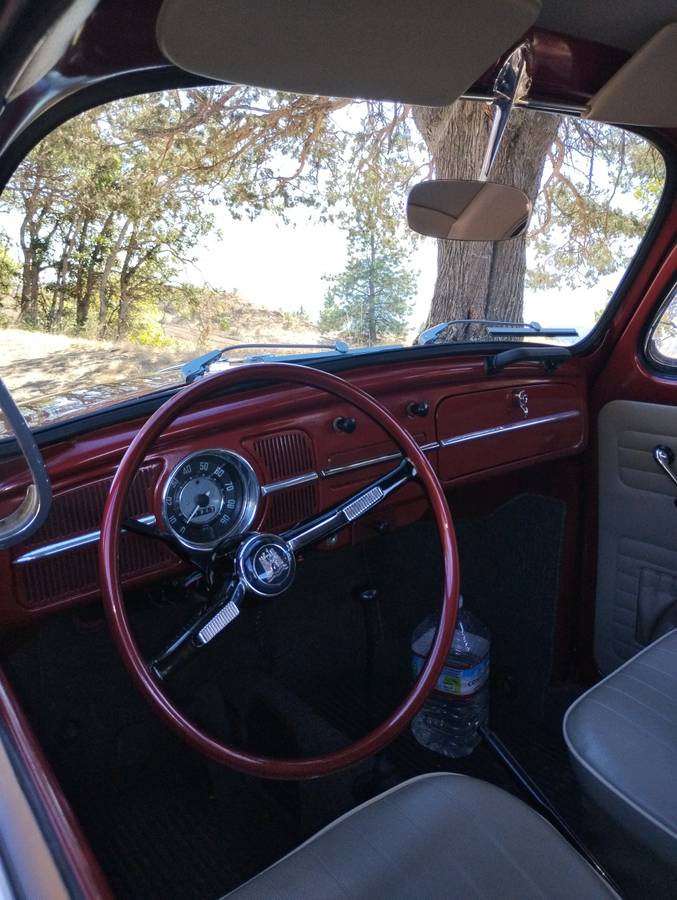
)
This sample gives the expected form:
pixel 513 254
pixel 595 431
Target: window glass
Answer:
pixel 157 228
pixel 662 343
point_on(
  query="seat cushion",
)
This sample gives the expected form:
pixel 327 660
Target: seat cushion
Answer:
pixel 622 736
pixel 437 836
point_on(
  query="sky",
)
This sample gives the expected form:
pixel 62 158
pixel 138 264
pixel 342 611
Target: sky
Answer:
pixel 281 266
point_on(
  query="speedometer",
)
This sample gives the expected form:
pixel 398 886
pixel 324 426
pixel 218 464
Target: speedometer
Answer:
pixel 209 496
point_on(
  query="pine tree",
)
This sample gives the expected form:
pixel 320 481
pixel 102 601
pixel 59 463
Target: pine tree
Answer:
pixel 368 303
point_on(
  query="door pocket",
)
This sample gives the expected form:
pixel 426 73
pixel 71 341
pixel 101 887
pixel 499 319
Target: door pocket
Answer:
pixel 657 593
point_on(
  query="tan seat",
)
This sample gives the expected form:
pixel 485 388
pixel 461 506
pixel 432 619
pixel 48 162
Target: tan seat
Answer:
pixel 436 837
pixel 622 737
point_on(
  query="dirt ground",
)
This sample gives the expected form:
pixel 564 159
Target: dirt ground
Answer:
pixel 34 364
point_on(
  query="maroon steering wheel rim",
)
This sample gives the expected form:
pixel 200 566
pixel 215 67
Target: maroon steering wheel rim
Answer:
pixel 111 588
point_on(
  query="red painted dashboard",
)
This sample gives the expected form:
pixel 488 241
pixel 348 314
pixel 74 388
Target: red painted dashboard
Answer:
pixel 475 426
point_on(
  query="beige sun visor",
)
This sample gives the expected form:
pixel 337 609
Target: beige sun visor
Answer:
pixel 644 90
pixel 425 52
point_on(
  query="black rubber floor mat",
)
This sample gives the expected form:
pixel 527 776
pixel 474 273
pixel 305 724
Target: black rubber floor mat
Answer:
pixel 173 838
pixel 166 824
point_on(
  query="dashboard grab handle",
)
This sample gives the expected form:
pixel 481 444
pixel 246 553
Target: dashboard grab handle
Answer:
pixel 551 357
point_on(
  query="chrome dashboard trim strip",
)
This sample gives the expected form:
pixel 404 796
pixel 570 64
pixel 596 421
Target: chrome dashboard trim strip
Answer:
pixel 79 540
pixel 373 461
pixel 505 429
pixel 274 486
pixel 360 464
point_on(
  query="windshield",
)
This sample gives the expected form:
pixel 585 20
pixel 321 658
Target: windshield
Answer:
pixel 159 228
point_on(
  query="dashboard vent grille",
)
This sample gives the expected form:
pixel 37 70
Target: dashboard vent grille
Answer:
pixel 286 454
pixel 78 509
pixel 73 574
pixel 54 579
pixel 291 506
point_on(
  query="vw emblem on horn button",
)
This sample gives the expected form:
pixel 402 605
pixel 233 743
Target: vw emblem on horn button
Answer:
pixel 266 564
pixel 269 564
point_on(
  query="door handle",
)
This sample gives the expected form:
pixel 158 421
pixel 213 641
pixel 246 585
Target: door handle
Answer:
pixel 664 457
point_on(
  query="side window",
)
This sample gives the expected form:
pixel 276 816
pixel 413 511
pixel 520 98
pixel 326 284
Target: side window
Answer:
pixel 661 347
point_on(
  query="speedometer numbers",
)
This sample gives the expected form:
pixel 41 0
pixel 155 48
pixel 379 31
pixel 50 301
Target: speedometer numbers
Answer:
pixel 209 496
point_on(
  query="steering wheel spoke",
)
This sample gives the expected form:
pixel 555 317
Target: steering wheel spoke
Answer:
pixel 318 528
pixel 198 561
pixel 204 628
pixel 264 565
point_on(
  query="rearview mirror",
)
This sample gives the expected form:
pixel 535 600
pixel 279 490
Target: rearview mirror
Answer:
pixel 468 210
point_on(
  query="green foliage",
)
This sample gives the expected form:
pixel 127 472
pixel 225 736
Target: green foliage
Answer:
pixel 599 194
pixel 9 269
pixel 114 203
pixel 369 301
pixel 297 319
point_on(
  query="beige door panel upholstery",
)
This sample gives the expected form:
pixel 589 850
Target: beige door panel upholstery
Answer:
pixel 637 553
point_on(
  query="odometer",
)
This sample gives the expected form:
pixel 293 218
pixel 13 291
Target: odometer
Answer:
pixel 209 496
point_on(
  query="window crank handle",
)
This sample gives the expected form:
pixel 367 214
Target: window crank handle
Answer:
pixel 664 457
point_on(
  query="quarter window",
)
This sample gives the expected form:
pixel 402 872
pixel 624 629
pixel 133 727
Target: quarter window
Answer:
pixel 661 346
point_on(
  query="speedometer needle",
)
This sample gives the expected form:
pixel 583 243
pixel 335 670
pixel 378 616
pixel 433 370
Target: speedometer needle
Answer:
pixel 197 507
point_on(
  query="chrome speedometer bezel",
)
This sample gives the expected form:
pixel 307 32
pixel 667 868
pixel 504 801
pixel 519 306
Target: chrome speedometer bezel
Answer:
pixel 250 500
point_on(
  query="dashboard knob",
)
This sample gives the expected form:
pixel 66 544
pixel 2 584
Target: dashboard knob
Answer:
pixel 346 424
pixel 418 408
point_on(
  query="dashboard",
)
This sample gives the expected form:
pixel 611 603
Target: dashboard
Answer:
pixel 266 458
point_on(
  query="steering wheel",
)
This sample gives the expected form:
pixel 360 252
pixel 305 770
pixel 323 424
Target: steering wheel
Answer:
pixel 235 571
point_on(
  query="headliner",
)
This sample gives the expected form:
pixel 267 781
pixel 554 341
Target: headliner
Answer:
pixel 626 24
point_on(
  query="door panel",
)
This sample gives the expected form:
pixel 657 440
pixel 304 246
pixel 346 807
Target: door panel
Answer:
pixel 637 554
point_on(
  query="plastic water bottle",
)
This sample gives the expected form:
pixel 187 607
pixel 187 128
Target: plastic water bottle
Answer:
pixel 448 722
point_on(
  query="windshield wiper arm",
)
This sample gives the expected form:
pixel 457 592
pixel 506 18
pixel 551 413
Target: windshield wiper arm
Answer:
pixel 496 328
pixel 199 366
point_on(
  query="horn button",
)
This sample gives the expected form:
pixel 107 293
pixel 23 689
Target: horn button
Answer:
pixel 266 564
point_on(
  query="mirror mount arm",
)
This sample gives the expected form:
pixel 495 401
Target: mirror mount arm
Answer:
pixel 512 84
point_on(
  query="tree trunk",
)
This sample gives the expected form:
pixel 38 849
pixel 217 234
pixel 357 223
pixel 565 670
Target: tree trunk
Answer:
pixel 84 302
pixel 105 277
pixel 26 311
pixel 56 312
pixel 81 310
pixel 371 299
pixel 30 272
pixel 479 279
pixel 125 292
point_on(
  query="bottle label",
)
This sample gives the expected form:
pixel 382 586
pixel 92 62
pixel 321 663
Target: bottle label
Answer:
pixel 458 681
